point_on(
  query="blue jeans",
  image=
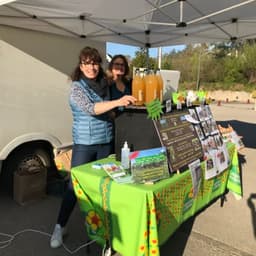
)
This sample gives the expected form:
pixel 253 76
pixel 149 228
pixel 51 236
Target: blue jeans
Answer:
pixel 81 154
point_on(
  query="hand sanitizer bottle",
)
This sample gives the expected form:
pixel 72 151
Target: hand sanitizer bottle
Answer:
pixel 125 161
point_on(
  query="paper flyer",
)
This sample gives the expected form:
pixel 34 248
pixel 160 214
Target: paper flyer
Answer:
pixel 191 119
pixel 117 173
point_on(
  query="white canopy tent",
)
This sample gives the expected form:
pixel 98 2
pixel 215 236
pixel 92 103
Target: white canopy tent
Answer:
pixel 142 23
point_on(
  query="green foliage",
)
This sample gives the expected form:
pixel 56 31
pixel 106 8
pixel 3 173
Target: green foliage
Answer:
pixel 232 70
pixel 248 62
pixel 167 61
pixel 142 61
pixel 228 66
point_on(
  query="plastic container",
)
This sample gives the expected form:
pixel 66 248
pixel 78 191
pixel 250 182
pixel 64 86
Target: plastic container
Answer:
pixel 125 151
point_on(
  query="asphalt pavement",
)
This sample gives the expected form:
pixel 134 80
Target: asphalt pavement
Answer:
pixel 228 230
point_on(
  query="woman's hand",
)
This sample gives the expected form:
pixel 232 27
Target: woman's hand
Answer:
pixel 126 100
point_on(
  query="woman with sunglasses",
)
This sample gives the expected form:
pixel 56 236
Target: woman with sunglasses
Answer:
pixel 92 125
pixel 118 72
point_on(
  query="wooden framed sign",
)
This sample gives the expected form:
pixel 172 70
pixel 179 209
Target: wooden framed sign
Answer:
pixel 180 139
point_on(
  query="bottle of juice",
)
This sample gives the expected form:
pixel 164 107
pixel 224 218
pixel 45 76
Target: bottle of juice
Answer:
pixel 138 88
pixel 160 85
pixel 151 86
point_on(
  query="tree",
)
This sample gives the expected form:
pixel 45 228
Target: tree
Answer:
pixel 248 61
pixel 141 60
pixel 167 60
pixel 232 70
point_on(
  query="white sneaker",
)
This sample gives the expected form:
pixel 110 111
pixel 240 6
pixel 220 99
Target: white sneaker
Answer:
pixel 57 236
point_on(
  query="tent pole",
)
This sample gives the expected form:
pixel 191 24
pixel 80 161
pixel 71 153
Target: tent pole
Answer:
pixel 147 59
pixel 159 56
pixel 198 70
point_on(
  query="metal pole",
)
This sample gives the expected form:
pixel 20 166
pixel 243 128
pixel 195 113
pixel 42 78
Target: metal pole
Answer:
pixel 198 71
pixel 159 57
pixel 147 61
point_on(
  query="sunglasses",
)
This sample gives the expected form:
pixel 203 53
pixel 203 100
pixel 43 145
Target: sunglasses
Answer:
pixel 118 64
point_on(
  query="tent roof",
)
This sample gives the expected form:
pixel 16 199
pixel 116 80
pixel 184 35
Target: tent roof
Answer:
pixel 150 23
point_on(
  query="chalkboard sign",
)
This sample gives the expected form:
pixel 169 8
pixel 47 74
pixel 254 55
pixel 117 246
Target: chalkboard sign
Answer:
pixel 180 139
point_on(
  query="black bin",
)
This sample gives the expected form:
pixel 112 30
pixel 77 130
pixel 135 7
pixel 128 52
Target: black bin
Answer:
pixel 133 126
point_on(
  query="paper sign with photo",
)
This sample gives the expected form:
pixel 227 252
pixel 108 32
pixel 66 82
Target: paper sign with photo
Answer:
pixel 213 126
pixel 206 128
pixel 193 113
pixel 210 166
pixel 202 113
pixel 196 174
pixel 221 160
pixel 199 132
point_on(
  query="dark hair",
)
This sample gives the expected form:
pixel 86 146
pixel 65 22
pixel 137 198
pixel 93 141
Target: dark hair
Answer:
pixel 126 66
pixel 87 53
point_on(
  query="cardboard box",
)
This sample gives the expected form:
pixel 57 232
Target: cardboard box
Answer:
pixel 30 187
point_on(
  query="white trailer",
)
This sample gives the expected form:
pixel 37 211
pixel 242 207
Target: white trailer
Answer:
pixel 34 88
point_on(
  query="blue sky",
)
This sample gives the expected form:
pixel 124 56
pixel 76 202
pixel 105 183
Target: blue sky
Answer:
pixel 113 49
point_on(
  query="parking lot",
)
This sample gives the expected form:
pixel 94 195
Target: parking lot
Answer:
pixel 216 231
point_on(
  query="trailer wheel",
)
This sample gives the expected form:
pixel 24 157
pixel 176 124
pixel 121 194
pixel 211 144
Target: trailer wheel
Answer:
pixel 29 158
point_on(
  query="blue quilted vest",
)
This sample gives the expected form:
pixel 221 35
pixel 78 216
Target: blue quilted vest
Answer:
pixel 90 129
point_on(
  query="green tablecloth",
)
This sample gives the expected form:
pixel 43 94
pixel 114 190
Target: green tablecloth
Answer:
pixel 138 218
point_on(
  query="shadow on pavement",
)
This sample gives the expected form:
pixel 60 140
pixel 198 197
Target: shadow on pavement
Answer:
pixel 252 207
pixel 241 161
pixel 176 244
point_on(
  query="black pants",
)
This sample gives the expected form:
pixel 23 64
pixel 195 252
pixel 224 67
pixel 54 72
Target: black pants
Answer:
pixel 81 154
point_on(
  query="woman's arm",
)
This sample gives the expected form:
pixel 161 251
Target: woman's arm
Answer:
pixel 78 97
pixel 105 106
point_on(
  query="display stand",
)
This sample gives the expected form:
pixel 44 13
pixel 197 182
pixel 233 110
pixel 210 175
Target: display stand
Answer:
pixel 133 126
pixel 172 131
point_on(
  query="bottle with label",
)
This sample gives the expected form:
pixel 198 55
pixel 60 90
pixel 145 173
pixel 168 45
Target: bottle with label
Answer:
pixel 160 85
pixel 125 161
pixel 151 86
pixel 138 88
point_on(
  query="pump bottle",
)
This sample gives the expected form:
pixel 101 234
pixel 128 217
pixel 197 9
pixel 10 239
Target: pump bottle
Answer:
pixel 125 161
